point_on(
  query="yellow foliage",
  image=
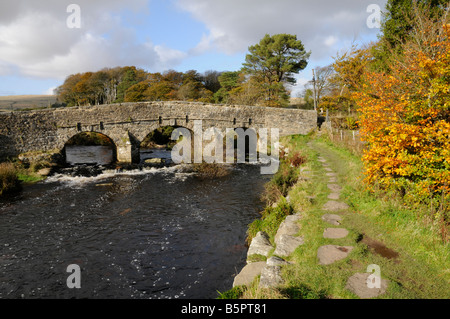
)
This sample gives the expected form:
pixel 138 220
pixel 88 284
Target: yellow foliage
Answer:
pixel 405 121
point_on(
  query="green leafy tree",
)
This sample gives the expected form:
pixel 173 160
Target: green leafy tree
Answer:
pixel 228 81
pixel 210 80
pixel 274 61
pixel 397 25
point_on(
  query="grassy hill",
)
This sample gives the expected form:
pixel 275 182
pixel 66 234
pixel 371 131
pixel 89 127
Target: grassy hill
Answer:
pixel 22 102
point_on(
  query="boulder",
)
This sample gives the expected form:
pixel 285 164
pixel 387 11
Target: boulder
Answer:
pixel 44 171
pixel 154 161
pixel 270 277
pixel 276 261
pixel 289 226
pixel 248 273
pixel 287 244
pixel 260 245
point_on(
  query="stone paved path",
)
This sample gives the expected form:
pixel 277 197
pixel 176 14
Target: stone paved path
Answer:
pixel 335 233
pixel 287 239
pixel 329 254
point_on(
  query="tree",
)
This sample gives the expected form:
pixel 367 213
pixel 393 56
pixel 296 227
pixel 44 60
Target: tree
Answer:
pixel 274 61
pixel 325 82
pixel 66 92
pixel 131 76
pixel 405 120
pixel 193 88
pixel 136 92
pixel 227 81
pixel 308 98
pixel 99 82
pixel 210 80
pixel 250 91
pixel 398 24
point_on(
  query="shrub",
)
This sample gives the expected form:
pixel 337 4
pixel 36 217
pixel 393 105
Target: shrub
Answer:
pixel 405 119
pixel 8 178
pixel 296 159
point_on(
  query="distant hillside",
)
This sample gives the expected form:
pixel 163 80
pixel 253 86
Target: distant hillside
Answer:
pixel 21 102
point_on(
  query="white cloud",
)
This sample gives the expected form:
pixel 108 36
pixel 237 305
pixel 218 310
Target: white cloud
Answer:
pixel 35 40
pixel 235 24
pixel 50 91
pixel 331 40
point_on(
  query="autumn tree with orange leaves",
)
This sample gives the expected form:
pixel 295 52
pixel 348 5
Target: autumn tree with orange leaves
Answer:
pixel 405 114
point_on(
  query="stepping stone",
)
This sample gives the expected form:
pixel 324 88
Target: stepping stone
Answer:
pixel 332 219
pixel 260 245
pixel 276 261
pixel 330 174
pixel 270 277
pixel 334 187
pixel 332 180
pixel 358 284
pixel 328 169
pixel 288 226
pixel 321 159
pixel 335 233
pixel 333 196
pixel 329 254
pixel 249 273
pixel 335 206
pixel 287 244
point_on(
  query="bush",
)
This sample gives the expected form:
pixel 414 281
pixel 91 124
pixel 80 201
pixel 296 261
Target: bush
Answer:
pixel 8 178
pixel 405 122
pixel 285 178
pixel 296 159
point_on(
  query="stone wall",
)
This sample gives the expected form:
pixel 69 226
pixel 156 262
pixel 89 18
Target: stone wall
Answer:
pixel 127 124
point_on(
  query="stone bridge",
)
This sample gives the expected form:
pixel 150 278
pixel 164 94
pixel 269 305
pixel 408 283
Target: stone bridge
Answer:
pixel 127 124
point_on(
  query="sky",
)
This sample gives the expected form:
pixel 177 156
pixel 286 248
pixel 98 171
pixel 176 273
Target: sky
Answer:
pixel 43 42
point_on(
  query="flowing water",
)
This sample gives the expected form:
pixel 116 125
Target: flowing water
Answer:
pixel 151 233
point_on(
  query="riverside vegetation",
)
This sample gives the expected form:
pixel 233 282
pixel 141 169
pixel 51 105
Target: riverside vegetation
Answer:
pixel 401 240
pixel 28 168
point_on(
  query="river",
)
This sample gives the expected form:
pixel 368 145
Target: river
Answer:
pixel 152 233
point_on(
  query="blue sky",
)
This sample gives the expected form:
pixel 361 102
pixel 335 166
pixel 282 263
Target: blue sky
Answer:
pixel 38 50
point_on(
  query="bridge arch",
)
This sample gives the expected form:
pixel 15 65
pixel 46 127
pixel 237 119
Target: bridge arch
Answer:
pixel 90 147
pixel 158 142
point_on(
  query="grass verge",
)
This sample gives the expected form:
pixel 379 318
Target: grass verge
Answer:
pixel 418 267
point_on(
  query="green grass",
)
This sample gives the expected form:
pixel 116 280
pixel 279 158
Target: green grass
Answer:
pixel 422 268
pixel 271 219
pixel 29 178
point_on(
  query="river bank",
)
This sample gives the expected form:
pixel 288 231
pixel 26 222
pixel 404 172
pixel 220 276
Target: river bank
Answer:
pixel 334 214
